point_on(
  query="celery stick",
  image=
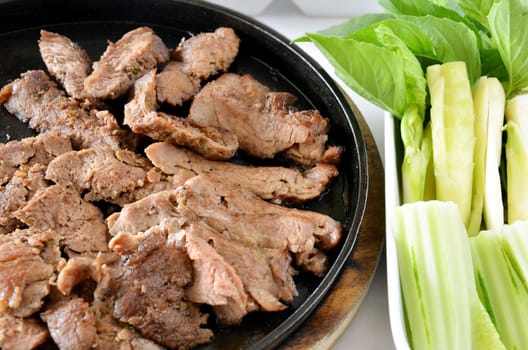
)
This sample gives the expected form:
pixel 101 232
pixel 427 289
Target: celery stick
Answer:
pixel 438 286
pixel 500 286
pixel 453 139
pixel 516 150
pixel 489 100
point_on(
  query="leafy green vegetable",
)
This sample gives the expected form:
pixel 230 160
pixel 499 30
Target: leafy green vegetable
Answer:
pixel 477 10
pixel 509 29
pixel 438 285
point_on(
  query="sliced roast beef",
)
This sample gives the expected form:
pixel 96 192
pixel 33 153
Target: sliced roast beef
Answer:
pixel 143 214
pixel 99 173
pixel 149 293
pixel 35 99
pixel 206 54
pixel 174 86
pixel 66 61
pixel 123 62
pixel 15 194
pixel 242 216
pixel 19 155
pixel 265 122
pixel 266 182
pixel 21 333
pixel 25 275
pixel 71 324
pixel 197 58
pixel 211 141
pixel 78 223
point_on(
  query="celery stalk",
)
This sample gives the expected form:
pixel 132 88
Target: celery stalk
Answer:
pixel 453 139
pixel 489 100
pixel 441 303
pixel 500 283
pixel 516 150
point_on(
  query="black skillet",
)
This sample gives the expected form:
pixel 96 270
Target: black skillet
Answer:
pixel 265 54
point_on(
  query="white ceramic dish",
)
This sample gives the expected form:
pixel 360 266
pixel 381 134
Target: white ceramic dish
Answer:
pixel 393 155
pixel 247 7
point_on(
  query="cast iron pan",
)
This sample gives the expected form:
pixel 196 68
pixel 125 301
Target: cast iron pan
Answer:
pixel 265 54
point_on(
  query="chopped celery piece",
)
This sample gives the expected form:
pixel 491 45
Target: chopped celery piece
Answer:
pixel 453 138
pixel 489 101
pixel 516 150
pixel 438 286
pixel 500 260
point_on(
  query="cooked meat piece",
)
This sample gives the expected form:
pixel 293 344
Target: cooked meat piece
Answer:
pixel 66 61
pixel 140 115
pixel 143 214
pixel 35 99
pixel 149 293
pixel 29 151
pixel 266 182
pixel 71 324
pixel 24 274
pixel 77 270
pixel 136 53
pixel 113 335
pixel 156 182
pixel 21 333
pixel 206 54
pixel 265 122
pixel 173 86
pixel 15 194
pixel 221 265
pixel 242 216
pixel 79 224
pixel 100 173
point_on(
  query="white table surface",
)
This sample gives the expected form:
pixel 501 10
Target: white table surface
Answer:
pixel 370 329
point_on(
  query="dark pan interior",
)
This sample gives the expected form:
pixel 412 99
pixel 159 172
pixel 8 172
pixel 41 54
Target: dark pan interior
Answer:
pixel 265 54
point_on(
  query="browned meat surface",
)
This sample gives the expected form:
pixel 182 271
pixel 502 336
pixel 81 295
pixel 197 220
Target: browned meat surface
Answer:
pixel 65 60
pixel 79 224
pixel 99 173
pixel 242 216
pixel 77 270
pixel 35 99
pixel 25 275
pixel 141 116
pixel 173 86
pixel 149 293
pixel 143 214
pixel 21 333
pixel 20 155
pixel 123 62
pixel 71 324
pixel 266 182
pixel 225 270
pixel 265 122
pixel 156 182
pixel 15 194
pixel 206 54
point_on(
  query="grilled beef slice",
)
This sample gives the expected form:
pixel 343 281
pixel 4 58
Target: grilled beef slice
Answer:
pixel 123 62
pixel 21 333
pixel 149 292
pixel 15 194
pixel 79 224
pixel 27 267
pixel 266 182
pixel 265 122
pixel 99 173
pixel 66 61
pixel 35 99
pixel 198 58
pixel 242 216
pixel 71 324
pixel 20 155
pixel 141 116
